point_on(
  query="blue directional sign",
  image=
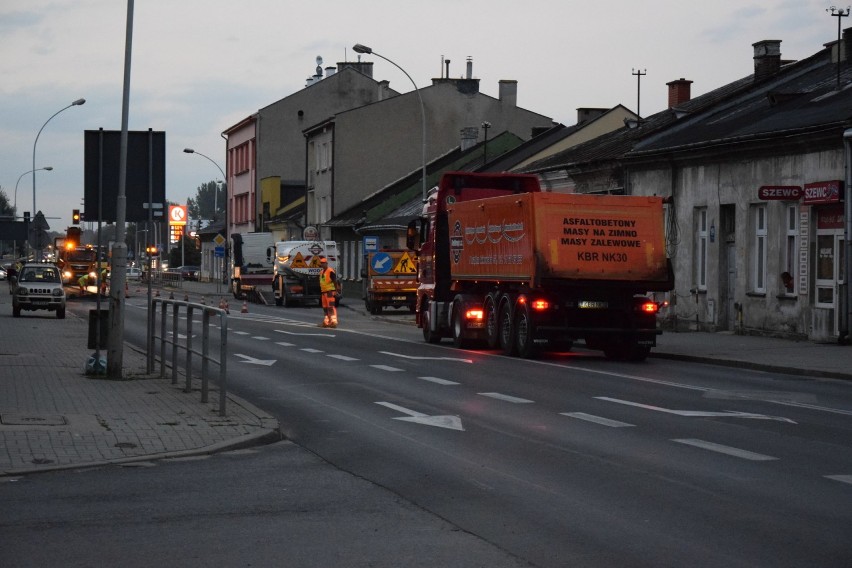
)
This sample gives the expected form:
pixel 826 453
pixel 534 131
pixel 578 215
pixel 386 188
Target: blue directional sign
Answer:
pixel 381 263
pixel 219 252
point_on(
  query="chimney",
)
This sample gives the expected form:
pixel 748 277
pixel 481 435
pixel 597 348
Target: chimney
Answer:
pixel 365 67
pixel 329 71
pixel 509 92
pixel 585 114
pixel 384 90
pixel 846 51
pixel 469 68
pixel 767 58
pixel 679 92
pixel 469 136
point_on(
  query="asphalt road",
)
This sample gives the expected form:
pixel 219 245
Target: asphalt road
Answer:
pixel 572 460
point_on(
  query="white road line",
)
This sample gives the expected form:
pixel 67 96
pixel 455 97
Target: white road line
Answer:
pixel 241 332
pixel 304 334
pixel 342 357
pixel 437 380
pixel 728 450
pixel 506 397
pixel 841 478
pixel 310 350
pixel 385 368
pixel 392 354
pixel 260 338
pixel 284 344
pixel 597 419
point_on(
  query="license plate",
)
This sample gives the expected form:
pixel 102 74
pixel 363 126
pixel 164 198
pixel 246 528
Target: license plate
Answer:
pixel 398 298
pixel 592 305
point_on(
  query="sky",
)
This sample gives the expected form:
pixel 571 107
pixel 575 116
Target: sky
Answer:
pixel 200 66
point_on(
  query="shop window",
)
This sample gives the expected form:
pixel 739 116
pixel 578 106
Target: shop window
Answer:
pixel 791 249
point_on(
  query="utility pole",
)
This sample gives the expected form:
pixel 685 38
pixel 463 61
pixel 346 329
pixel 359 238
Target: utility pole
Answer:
pixel 638 75
pixel 838 13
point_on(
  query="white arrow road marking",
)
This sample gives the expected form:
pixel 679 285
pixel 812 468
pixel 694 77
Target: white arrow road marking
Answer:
pixel 728 450
pixel 698 413
pixel 449 422
pixel 841 478
pixel 312 334
pixel 426 358
pixel 597 419
pixel 505 397
pixel 253 361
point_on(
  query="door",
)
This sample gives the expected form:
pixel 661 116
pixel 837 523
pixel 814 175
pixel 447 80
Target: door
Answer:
pixel 830 272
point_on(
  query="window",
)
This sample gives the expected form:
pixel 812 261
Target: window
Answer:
pixel 701 249
pixel 791 249
pixel 759 256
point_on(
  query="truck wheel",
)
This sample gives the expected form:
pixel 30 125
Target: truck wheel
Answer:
pixel 507 330
pixel 492 327
pixel 373 307
pixel 524 333
pixel 288 301
pixel 459 340
pixel 235 289
pixel 429 335
pixel 60 313
pixel 16 311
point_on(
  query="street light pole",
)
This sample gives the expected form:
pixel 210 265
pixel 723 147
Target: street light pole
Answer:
pixel 358 48
pixel 78 102
pixel 216 191
pixel 15 206
pixel 216 274
pixel 839 13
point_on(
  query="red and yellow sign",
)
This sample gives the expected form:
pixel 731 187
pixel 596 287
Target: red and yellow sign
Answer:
pixel 177 214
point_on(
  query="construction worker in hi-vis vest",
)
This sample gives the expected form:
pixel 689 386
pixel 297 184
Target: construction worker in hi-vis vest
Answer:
pixel 328 285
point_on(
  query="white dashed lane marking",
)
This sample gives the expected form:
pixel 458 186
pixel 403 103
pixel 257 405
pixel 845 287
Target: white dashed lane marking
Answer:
pixel 728 450
pixel 341 357
pixel 386 368
pixel 438 381
pixel 597 419
pixel 506 397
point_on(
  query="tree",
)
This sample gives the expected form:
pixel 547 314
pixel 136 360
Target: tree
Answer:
pixel 202 207
pixel 6 208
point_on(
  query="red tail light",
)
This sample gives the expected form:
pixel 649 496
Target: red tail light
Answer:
pixel 540 305
pixel 649 307
pixel 475 314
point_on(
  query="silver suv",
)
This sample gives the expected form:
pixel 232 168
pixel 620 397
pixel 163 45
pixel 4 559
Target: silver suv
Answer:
pixel 39 287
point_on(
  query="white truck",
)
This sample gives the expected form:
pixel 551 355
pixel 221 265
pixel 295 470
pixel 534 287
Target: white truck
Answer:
pixel 296 269
pixel 251 262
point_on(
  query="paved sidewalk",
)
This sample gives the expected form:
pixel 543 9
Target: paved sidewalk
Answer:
pixel 54 416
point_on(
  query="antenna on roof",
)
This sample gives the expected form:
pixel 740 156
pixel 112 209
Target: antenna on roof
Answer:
pixel 638 74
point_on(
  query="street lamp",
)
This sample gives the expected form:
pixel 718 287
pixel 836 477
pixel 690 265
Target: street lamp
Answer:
pixel 358 48
pixel 46 168
pixel 216 191
pixel 78 102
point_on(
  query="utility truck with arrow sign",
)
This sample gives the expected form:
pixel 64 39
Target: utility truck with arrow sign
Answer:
pixel 389 278
pixel 296 269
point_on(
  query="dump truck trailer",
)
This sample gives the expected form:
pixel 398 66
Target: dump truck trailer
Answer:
pixel 509 266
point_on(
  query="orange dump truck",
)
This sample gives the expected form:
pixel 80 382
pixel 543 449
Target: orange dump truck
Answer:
pixel 505 264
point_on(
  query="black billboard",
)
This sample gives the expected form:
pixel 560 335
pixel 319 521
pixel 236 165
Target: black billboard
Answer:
pixel 146 172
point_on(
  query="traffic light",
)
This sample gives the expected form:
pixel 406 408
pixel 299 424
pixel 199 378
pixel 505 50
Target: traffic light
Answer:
pixel 152 251
pixel 75 217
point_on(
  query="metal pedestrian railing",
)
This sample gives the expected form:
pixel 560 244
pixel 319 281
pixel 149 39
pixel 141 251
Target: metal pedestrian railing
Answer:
pixel 171 336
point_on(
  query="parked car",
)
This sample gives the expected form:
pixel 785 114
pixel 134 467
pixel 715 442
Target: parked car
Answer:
pixel 2 273
pixel 189 272
pixel 134 273
pixel 39 287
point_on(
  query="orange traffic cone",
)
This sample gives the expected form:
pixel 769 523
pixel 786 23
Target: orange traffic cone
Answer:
pixel 203 301
pixel 126 290
pixel 245 308
pixel 227 307
pixel 171 295
pixel 157 294
pixel 221 303
pixel 186 297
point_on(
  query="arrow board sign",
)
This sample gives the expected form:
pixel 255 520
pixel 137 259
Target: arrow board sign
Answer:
pixel 449 422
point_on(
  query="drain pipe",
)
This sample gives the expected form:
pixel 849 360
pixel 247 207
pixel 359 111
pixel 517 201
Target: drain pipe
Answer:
pixel 843 337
